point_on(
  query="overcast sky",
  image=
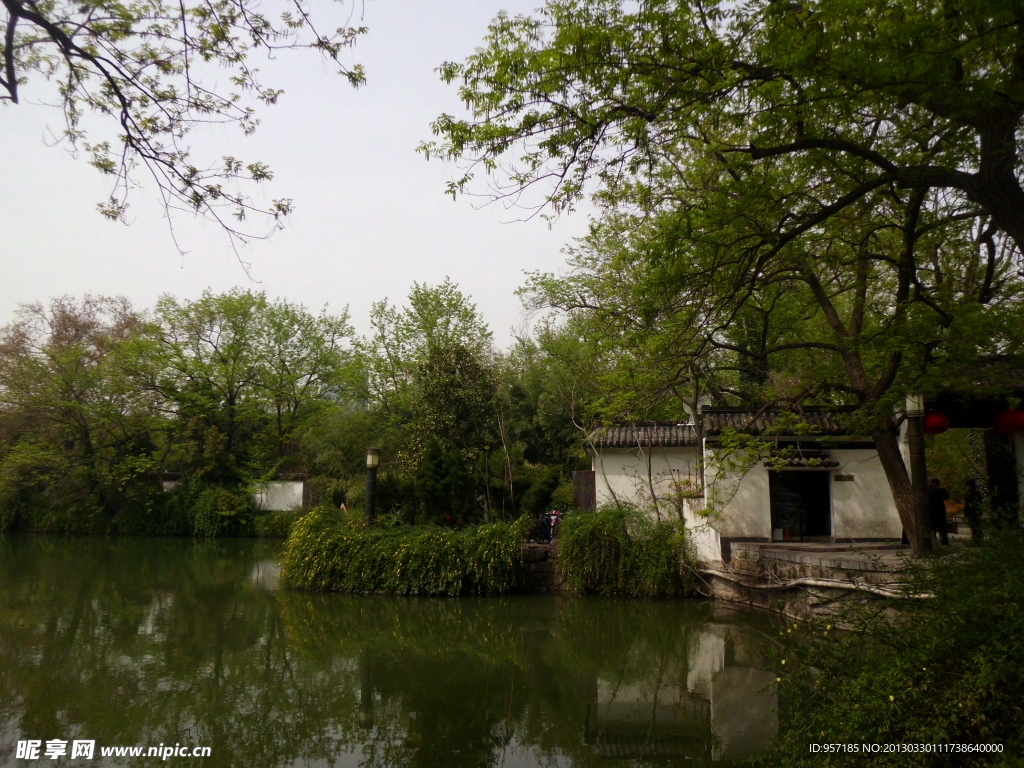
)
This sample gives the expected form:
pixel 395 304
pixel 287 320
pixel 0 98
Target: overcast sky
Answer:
pixel 371 214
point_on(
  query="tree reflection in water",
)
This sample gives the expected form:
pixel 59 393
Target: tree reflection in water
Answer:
pixel 143 641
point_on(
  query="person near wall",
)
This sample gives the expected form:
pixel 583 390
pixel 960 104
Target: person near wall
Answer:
pixel 554 518
pixel 937 496
pixel 972 510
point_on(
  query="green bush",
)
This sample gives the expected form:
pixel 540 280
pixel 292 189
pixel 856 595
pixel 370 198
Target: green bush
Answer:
pixel 210 511
pixel 621 551
pixel 276 525
pixel 949 669
pixel 328 550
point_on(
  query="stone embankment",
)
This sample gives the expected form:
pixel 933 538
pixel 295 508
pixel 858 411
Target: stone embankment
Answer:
pixel 540 568
pixel 806 580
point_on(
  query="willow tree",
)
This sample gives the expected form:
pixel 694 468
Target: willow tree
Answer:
pixel 829 187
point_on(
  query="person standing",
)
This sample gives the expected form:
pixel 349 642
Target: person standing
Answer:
pixel 972 510
pixel 554 518
pixel 937 496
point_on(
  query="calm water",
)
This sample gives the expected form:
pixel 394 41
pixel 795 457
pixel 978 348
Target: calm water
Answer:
pixel 149 641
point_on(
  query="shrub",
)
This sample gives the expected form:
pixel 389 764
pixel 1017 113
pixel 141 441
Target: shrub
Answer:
pixel 621 551
pixel 918 671
pixel 276 525
pixel 211 510
pixel 328 550
pixel 42 491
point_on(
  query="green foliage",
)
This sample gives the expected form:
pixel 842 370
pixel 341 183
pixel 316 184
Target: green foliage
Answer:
pixel 96 400
pixel 621 551
pixel 211 510
pixel 454 398
pixel 538 495
pixel 245 376
pixel 562 497
pixel 933 671
pixel 276 525
pixel 333 552
pixel 41 491
pixel 760 237
pixel 444 485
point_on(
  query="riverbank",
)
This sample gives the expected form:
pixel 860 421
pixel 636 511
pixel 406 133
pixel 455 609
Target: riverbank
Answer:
pixel 804 581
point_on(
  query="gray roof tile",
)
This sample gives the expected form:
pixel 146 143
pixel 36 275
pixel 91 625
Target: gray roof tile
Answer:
pixel 754 422
pixel 652 434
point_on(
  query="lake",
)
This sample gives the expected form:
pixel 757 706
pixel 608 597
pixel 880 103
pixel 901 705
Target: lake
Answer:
pixel 179 645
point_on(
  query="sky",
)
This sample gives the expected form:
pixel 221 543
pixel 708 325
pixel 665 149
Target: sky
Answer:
pixel 371 215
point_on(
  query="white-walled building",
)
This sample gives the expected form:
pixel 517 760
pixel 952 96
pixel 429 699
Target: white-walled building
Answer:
pixel 825 486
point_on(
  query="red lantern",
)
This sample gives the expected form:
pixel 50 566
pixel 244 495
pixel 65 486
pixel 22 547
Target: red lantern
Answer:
pixel 935 423
pixel 1008 422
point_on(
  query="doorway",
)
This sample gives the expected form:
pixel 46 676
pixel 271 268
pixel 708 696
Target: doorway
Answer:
pixel 801 505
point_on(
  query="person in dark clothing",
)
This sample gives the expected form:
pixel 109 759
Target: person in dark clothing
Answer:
pixel 937 496
pixel 972 510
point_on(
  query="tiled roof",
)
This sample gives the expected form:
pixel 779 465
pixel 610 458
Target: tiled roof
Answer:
pixel 754 422
pixel 653 434
pixel 801 462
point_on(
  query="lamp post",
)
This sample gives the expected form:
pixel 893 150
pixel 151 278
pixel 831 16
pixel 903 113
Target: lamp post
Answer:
pixel 372 462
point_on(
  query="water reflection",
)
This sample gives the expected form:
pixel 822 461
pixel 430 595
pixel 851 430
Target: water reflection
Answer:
pixel 137 641
pixel 718 702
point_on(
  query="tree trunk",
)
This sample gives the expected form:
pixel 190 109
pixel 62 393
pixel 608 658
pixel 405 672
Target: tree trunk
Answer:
pixel 899 483
pixel 996 184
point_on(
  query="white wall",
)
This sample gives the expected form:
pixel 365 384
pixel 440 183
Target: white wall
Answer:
pixel 862 508
pixel 279 495
pixel 740 499
pixel 622 474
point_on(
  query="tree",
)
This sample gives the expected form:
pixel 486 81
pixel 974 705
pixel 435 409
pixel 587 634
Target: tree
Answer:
pixel 240 376
pixel 818 191
pixel 153 71
pixel 75 432
pixel 860 313
pixel 925 95
pixel 305 367
pixel 436 317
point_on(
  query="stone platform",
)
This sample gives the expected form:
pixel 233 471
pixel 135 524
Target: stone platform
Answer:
pixel 540 571
pixel 804 580
pixel 872 562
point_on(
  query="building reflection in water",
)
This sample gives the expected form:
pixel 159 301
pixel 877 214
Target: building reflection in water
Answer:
pixel 719 704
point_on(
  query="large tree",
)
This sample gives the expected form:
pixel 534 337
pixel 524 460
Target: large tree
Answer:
pixel 75 434
pixel 823 190
pixel 924 94
pixel 152 71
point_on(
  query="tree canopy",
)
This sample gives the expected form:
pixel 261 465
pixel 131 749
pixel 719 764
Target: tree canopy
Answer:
pixel 918 95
